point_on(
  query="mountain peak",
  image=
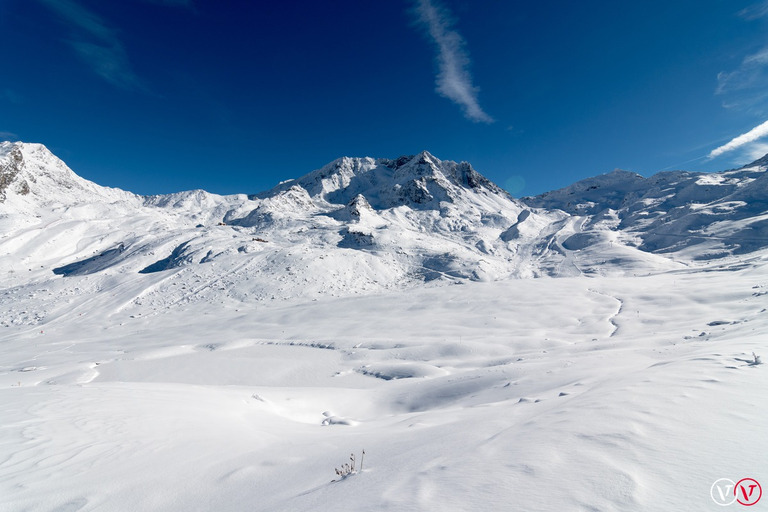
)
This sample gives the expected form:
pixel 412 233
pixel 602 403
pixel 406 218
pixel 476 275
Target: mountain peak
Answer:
pixel 31 175
pixel 421 181
pixel 23 165
pixel 424 157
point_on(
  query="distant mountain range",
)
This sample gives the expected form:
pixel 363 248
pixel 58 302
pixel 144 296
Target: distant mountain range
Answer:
pixel 360 225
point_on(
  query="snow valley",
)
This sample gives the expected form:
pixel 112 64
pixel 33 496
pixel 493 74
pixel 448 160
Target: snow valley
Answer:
pixel 592 348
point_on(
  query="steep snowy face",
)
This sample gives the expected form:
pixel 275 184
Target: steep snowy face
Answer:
pixel 698 215
pixel 418 182
pixel 31 176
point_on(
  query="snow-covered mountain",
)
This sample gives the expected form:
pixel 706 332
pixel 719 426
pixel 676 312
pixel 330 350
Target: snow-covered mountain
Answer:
pixel 193 351
pixel 362 225
pixel 353 226
pixel 31 177
pixel 686 214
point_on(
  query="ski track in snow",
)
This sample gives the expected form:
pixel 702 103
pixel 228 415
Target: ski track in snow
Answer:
pixel 615 315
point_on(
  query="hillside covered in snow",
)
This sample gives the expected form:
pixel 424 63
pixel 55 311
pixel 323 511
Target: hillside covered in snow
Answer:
pixel 597 347
pixel 363 225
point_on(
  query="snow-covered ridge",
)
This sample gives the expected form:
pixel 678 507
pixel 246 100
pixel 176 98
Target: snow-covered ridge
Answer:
pixel 416 181
pixel 697 215
pixel 363 225
pixel 355 225
pixel 31 176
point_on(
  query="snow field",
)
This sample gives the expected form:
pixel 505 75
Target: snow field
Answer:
pixel 548 394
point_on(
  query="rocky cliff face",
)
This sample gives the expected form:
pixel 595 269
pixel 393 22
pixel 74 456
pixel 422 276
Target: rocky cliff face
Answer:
pixel 11 164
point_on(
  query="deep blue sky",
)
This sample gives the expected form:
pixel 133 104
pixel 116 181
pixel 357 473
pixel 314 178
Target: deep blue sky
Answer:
pixel 158 96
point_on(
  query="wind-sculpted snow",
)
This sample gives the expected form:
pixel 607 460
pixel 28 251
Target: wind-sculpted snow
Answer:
pixel 93 264
pixel 545 394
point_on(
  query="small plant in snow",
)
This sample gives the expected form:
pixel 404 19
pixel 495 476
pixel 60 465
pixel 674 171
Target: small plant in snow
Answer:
pixel 756 359
pixel 349 468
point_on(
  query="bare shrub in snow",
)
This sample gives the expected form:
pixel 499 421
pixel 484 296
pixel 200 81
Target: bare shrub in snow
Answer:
pixel 348 468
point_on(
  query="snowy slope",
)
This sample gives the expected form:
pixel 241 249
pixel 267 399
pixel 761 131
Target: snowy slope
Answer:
pixel 201 352
pixel 32 177
pixel 356 225
pixel 690 215
pixel 611 394
pixel 362 225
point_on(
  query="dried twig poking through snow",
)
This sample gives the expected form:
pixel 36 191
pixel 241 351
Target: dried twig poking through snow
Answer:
pixel 349 468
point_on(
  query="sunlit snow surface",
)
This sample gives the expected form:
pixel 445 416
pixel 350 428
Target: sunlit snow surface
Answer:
pixel 567 394
pixel 192 388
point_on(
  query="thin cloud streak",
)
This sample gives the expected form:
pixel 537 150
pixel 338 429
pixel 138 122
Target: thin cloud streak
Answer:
pixel 453 79
pixel 751 74
pixel 96 43
pixel 755 11
pixel 752 135
pixel 744 87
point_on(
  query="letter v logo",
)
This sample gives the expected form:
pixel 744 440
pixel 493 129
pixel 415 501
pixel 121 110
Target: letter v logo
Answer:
pixel 722 492
pixel 748 491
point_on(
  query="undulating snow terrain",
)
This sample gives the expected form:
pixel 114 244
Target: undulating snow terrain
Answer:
pixel 593 348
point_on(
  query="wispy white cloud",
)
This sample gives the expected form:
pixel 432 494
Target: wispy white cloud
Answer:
pixel 8 136
pixel 757 150
pixel 755 11
pixel 746 86
pixel 751 136
pixel 454 80
pixel 97 44
pixel 750 78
